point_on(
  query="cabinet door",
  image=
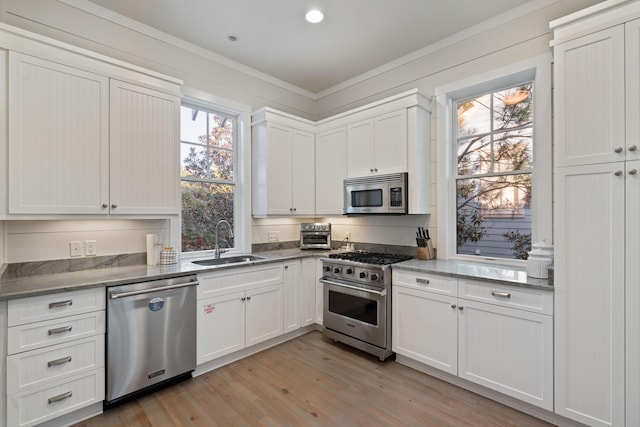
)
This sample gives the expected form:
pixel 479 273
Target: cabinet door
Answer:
pixel 425 328
pixel 589 93
pixel 58 138
pixel 507 350
pixel 303 173
pixel 291 299
pixel 360 154
pixel 632 295
pixel 221 326
pixel 264 314
pixel 331 170
pixel 589 238
pixel 144 151
pixel 390 142
pixel 319 292
pixel 278 169
pixel 307 292
pixel 632 71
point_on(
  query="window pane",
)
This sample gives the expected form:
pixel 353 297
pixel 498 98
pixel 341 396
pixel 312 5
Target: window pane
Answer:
pixel 474 156
pixel 221 131
pixel 203 205
pixel 193 125
pixel 206 163
pixel 513 151
pixel 474 116
pixel 493 216
pixel 512 107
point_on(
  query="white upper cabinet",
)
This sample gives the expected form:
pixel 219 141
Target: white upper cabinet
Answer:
pixel 283 162
pixel 58 138
pixel 589 99
pixel 144 135
pixel 89 137
pixel 378 145
pixel 331 170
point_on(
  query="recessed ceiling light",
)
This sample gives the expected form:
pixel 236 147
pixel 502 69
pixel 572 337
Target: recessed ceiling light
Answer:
pixel 314 16
pixel 232 37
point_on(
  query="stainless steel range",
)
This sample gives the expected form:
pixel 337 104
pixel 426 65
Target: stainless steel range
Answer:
pixel 357 299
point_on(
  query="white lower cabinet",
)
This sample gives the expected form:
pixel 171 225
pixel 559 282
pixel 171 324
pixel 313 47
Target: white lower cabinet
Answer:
pixel 55 355
pixel 307 292
pixel 291 295
pixel 238 308
pixel 494 335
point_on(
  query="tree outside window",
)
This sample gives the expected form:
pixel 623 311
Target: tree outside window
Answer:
pixel 207 141
pixel 494 166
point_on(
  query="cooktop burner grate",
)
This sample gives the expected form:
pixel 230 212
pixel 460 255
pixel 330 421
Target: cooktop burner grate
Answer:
pixel 375 258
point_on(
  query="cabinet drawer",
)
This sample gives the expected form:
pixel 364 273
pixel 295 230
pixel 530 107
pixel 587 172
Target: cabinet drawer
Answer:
pixel 537 301
pixel 48 364
pixel 51 306
pixel 39 404
pixel 40 334
pixel 445 285
pixel 239 279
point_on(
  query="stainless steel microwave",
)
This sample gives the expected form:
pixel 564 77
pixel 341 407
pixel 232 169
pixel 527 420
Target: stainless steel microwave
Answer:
pixel 377 194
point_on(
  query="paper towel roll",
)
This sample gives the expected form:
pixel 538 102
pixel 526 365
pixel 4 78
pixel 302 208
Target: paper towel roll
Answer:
pixel 152 249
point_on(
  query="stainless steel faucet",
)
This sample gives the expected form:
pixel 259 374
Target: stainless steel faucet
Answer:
pixel 217 251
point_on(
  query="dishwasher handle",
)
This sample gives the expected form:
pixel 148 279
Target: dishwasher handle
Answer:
pixel 116 295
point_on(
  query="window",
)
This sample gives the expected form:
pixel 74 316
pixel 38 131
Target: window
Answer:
pixel 208 147
pixel 494 146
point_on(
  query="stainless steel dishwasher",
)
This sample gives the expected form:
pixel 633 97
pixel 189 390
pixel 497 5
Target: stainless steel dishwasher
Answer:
pixel 151 335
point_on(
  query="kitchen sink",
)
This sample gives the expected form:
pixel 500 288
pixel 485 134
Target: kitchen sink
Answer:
pixel 238 259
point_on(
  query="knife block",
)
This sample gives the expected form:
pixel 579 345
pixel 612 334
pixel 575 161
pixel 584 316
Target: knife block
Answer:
pixel 425 253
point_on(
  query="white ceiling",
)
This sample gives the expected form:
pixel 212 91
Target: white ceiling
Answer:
pixel 273 37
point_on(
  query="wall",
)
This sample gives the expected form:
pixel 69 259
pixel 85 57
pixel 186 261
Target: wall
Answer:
pixel 509 38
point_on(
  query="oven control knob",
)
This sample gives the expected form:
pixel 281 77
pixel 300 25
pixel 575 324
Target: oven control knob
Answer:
pixel 375 276
pixel 336 270
pixel 363 274
pixel 327 269
pixel 349 271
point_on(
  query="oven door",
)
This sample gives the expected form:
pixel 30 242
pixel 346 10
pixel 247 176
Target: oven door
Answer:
pixel 357 312
pixel 366 198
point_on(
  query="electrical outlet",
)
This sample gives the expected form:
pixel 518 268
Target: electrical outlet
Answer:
pixel 90 247
pixel 274 236
pixel 75 248
pixel 347 235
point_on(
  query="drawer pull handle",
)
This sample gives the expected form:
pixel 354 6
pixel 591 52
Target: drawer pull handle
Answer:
pixel 60 361
pixel 60 330
pixel 501 294
pixel 60 304
pixel 423 281
pixel 60 397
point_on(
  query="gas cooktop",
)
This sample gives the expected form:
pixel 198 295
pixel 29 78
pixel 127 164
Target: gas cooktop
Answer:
pixel 374 258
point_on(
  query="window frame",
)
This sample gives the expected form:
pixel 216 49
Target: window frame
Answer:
pixel 536 70
pixel 241 170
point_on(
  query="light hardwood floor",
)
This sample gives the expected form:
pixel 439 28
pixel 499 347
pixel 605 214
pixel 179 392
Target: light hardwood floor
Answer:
pixel 311 381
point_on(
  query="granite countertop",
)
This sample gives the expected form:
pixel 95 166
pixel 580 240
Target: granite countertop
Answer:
pixel 21 287
pixel 494 273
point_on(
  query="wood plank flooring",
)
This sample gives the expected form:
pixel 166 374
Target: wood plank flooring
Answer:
pixel 311 381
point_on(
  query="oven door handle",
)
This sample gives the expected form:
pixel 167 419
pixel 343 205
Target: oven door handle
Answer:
pixel 342 285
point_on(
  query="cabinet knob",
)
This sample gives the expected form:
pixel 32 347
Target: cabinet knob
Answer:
pixel 453 306
pixel 375 169
pixel 113 206
pixel 248 298
pixel 371 170
pixel 295 209
pixel 633 171
pixel 105 206
pixel 461 308
pixel 243 299
pixel 618 150
pixel 617 173
pixel 286 267
pixel 633 148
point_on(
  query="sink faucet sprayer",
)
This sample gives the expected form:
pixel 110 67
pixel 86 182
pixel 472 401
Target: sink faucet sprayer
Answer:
pixel 217 250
